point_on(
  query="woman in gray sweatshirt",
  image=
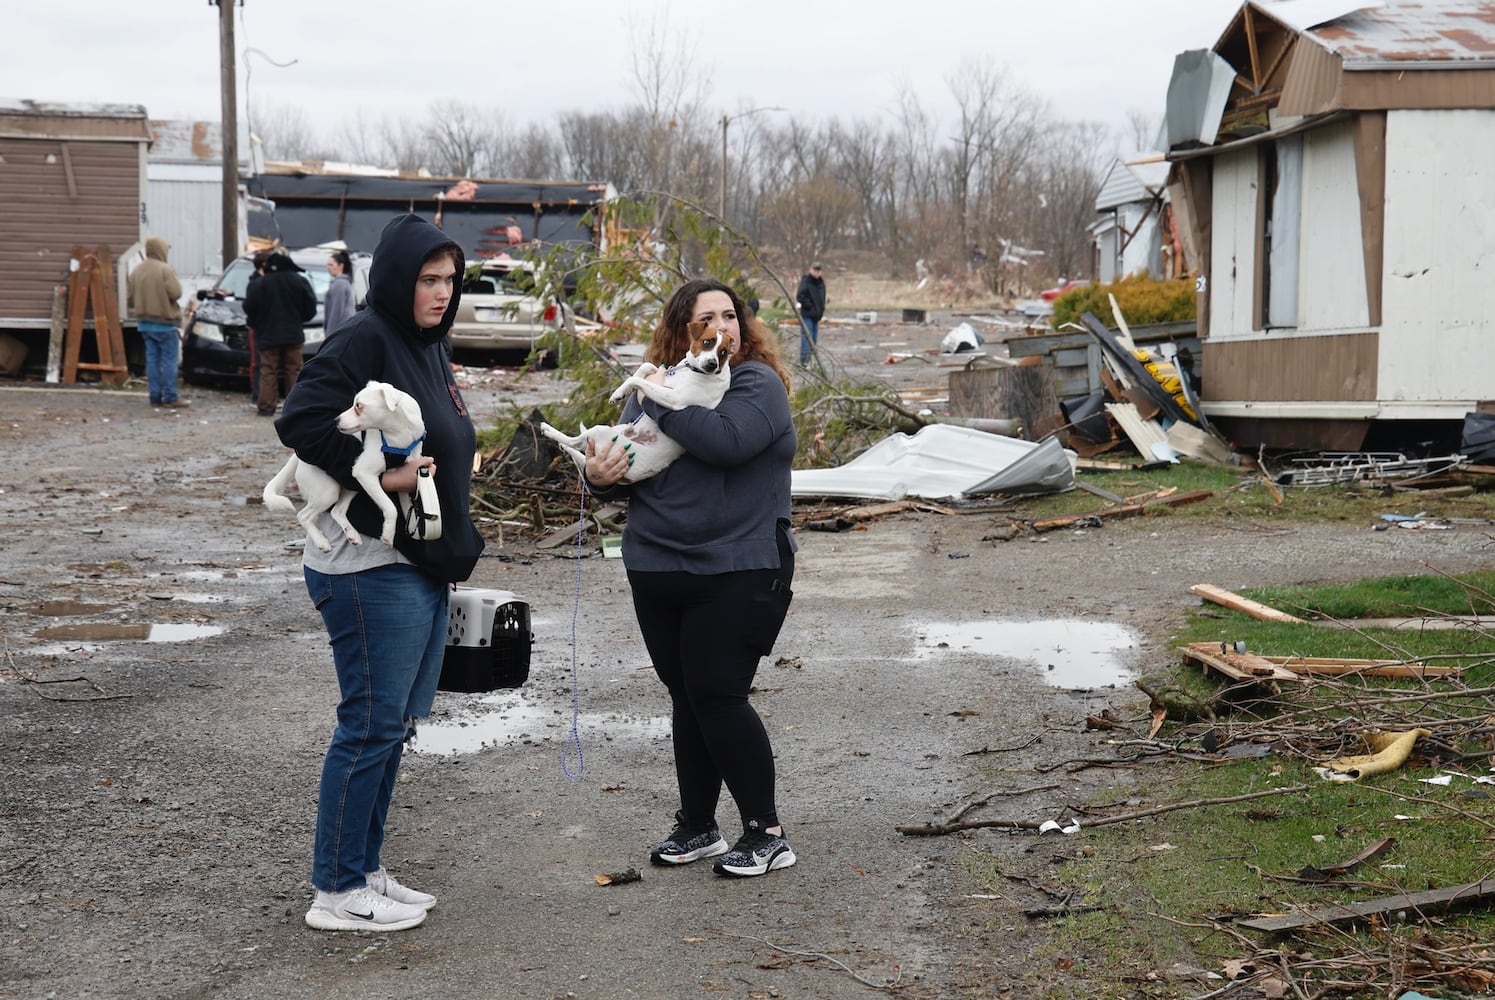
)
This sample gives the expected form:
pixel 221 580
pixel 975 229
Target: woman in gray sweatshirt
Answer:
pixel 710 559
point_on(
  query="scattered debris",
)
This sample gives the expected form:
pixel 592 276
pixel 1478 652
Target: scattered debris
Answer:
pixel 941 460
pixel 1389 751
pixel 1097 517
pixel 619 878
pixel 1373 468
pixel 961 340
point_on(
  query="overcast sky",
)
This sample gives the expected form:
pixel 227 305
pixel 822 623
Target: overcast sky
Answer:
pixel 1093 60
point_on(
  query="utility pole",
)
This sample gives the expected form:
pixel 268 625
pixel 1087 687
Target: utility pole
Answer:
pixel 721 205
pixel 229 128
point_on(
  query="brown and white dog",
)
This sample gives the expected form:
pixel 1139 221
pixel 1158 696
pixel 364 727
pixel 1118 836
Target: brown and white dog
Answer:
pixel 700 378
pixel 389 420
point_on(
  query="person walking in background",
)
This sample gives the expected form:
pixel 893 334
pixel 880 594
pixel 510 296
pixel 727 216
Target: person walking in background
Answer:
pixel 810 300
pixel 154 291
pixel 385 608
pixel 711 593
pixel 337 305
pixel 276 306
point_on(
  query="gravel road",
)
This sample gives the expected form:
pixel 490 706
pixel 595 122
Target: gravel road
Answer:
pixel 166 696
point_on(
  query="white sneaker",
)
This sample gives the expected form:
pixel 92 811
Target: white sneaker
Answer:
pixel 384 884
pixel 361 909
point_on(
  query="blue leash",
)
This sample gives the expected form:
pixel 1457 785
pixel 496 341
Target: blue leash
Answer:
pixel 575 736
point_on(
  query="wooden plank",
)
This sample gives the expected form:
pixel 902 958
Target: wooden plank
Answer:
pixel 77 303
pixel 1050 523
pixel 1237 666
pixel 109 334
pixel 1339 667
pixel 1224 598
pixel 1427 902
pixel 569 532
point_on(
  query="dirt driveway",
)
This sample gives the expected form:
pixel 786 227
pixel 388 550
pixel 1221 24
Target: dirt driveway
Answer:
pixel 157 790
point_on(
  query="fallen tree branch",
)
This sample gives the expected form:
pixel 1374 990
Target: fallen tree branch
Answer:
pixel 939 829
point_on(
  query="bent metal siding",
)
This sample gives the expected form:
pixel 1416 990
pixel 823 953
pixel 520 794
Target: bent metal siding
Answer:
pixel 57 194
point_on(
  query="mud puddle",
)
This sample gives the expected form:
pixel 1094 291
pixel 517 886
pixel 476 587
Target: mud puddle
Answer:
pixel 1069 653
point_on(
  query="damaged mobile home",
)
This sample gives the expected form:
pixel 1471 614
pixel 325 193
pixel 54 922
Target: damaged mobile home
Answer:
pixel 1333 180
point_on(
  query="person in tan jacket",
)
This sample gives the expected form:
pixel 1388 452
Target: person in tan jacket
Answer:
pixel 153 293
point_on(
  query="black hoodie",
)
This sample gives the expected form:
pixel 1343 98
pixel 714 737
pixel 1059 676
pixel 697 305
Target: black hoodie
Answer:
pixel 383 343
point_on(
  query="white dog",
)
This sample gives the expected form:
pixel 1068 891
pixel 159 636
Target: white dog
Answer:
pixel 700 379
pixel 389 420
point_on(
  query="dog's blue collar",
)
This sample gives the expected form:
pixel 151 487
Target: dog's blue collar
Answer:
pixel 390 449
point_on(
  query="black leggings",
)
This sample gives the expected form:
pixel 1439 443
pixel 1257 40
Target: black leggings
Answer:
pixel 706 635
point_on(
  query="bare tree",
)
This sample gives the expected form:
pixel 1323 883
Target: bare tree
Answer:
pixel 864 155
pixel 810 217
pixel 534 153
pixel 461 138
pixel 285 133
pixel 1142 130
pixel 1062 207
pixel 361 140
pixel 670 91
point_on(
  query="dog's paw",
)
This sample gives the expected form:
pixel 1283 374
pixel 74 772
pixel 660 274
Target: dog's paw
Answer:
pixel 618 394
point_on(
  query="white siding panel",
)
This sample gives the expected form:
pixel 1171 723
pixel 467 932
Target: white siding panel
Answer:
pixel 1332 289
pixel 1141 253
pixel 190 215
pixel 1438 308
pixel 1233 245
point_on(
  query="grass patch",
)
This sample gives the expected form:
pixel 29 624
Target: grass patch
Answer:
pixel 1167 888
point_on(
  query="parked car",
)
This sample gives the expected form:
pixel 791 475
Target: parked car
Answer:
pixel 500 311
pixel 1050 294
pixel 215 344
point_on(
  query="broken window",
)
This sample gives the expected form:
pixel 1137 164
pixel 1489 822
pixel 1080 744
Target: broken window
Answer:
pixel 1281 212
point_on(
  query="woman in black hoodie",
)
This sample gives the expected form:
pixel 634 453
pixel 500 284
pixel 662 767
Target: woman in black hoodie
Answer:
pixel 385 608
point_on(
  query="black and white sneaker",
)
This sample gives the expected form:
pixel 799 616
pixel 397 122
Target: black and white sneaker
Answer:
pixel 757 853
pixel 688 844
pixel 361 909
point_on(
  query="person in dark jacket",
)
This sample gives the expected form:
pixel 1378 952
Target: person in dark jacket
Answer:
pixel 711 591
pixel 276 306
pixel 810 299
pixel 385 609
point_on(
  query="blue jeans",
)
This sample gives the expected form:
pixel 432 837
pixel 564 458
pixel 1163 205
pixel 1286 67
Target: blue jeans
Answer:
pixel 162 342
pixel 808 335
pixel 387 628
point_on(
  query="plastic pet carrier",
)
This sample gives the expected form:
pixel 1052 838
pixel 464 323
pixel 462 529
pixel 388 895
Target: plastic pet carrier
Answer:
pixel 488 641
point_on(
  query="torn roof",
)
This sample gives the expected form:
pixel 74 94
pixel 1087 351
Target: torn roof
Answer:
pixel 180 140
pixel 1140 178
pixel 52 109
pixel 1300 15
pixel 1411 35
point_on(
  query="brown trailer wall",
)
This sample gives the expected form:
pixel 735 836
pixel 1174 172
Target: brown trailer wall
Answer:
pixel 56 194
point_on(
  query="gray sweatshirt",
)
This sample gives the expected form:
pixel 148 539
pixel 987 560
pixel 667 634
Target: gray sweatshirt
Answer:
pixel 716 509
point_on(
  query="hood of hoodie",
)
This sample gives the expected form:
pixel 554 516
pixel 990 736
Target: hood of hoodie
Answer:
pixel 156 247
pixel 403 247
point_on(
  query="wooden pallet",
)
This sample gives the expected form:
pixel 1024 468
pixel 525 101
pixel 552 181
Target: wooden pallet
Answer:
pixel 92 284
pixel 1254 667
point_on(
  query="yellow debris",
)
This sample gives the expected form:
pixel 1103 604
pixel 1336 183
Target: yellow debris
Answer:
pixel 1389 751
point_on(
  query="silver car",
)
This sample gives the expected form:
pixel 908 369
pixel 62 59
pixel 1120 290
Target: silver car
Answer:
pixel 499 310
